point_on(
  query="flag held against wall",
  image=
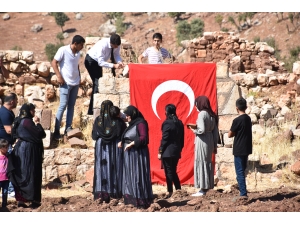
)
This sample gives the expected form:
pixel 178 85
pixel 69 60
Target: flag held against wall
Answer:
pixel 153 86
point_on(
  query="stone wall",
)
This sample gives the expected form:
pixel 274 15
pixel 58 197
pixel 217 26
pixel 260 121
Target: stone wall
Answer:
pixel 36 82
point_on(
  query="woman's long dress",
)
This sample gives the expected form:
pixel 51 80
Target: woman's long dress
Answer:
pixel 137 186
pixel 25 162
pixel 108 170
pixel 205 143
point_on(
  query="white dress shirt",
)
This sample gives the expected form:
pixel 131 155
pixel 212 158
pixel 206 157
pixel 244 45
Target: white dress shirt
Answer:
pixel 101 51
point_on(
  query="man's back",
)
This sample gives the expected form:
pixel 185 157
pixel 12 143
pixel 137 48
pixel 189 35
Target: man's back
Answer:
pixel 242 127
pixel 6 119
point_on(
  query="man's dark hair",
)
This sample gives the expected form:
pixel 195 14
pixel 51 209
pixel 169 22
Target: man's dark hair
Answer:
pixel 115 39
pixel 3 143
pixel 241 104
pixel 114 111
pixel 10 97
pixel 78 39
pixel 157 35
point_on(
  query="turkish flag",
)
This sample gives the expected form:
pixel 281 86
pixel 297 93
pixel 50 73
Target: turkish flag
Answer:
pixel 152 87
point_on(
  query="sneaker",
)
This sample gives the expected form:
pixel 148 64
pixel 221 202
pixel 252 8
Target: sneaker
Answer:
pixel 68 129
pixel 11 195
pixel 199 193
pixel 57 136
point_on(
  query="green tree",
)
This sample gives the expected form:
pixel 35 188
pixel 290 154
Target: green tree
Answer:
pixel 219 19
pixel 114 15
pixel 175 15
pixel 51 50
pixel 232 21
pixel 183 30
pixel 60 19
pixel 197 27
pixel 120 25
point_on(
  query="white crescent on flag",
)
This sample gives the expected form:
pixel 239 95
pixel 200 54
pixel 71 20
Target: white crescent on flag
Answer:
pixel 172 85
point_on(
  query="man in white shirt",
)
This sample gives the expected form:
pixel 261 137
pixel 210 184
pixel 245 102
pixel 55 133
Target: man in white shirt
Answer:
pixel 97 58
pixel 68 78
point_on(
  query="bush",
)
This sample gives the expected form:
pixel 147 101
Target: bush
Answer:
pixel 51 50
pixel 289 61
pixel 219 20
pixel 175 15
pixel 120 26
pixel 60 36
pixel 114 15
pixel 60 19
pixel 224 29
pixel 186 31
pixel 16 48
pixel 183 30
pixel 256 39
pixel 197 27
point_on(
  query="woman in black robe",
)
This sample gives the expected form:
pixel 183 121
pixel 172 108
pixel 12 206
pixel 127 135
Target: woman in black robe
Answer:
pixel 137 185
pixel 25 161
pixel 108 167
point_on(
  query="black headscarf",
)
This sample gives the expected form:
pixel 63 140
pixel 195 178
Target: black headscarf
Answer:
pixel 106 127
pixel 23 113
pixel 136 118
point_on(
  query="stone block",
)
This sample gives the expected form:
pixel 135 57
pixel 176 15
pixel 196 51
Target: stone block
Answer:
pixel 89 176
pixel 222 70
pixel 46 119
pixel 67 156
pixel 99 98
pixel 47 139
pixel 87 156
pixel 76 132
pixel 76 142
pixel 122 85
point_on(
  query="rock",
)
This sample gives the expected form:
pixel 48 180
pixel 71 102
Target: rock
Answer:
pixel 89 175
pixel 76 142
pixel 78 16
pixel 66 35
pixel 36 28
pixel 74 133
pixel 107 28
pixel 295 168
pixel 6 16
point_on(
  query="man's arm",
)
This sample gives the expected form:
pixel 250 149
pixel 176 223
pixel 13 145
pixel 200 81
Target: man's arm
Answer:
pixel 60 79
pixel 231 134
pixel 7 128
pixel 140 58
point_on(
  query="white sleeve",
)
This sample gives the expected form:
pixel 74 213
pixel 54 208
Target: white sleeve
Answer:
pixel 59 54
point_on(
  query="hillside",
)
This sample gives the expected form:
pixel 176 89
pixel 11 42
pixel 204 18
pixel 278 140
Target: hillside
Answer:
pixel 17 30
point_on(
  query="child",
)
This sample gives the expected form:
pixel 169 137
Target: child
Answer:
pixel 155 54
pixel 241 129
pixel 4 182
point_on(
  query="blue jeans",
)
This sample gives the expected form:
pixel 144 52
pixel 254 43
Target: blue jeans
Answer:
pixel 10 187
pixel 4 187
pixel 240 164
pixel 67 95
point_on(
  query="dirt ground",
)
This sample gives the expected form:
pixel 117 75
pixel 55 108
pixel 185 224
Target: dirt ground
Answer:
pixel 76 198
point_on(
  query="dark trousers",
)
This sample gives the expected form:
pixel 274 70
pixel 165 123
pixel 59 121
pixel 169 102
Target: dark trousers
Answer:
pixel 170 167
pixel 95 72
pixel 240 164
pixel 4 186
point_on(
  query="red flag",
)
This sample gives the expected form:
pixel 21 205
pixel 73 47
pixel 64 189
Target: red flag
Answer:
pixel 153 86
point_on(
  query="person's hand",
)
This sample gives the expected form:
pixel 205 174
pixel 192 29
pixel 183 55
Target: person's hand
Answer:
pixel 36 119
pixel 120 144
pixel 159 156
pixel 129 146
pixel 118 66
pixel 60 80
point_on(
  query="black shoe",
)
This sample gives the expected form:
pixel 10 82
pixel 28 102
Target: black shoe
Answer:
pixel 35 205
pixel 57 136
pixel 22 204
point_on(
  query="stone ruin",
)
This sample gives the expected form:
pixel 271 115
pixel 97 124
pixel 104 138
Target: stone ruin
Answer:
pixel 242 67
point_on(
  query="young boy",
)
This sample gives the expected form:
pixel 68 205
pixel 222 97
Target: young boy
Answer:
pixel 155 54
pixel 4 182
pixel 241 129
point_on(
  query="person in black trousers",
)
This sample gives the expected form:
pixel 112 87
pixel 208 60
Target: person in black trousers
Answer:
pixel 171 146
pixel 97 57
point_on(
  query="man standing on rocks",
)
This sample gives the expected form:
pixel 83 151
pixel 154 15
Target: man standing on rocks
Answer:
pixel 96 58
pixel 68 78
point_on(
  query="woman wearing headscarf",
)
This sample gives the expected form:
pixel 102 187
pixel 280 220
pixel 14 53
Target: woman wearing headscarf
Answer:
pixel 108 166
pixel 171 144
pixel 25 161
pixel 205 144
pixel 137 185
